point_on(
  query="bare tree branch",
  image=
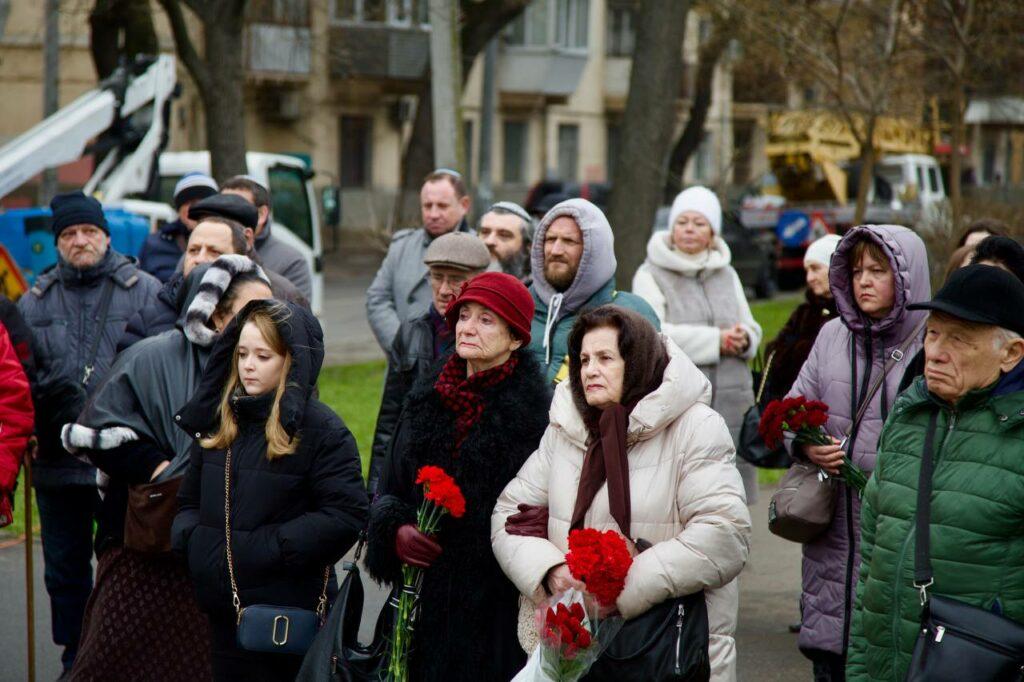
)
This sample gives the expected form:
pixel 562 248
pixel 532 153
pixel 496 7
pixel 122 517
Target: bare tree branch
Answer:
pixel 185 47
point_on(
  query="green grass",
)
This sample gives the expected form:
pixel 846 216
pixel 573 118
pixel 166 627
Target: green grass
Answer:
pixel 354 391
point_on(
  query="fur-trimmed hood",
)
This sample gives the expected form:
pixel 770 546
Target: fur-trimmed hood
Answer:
pixel 201 297
pixel 304 338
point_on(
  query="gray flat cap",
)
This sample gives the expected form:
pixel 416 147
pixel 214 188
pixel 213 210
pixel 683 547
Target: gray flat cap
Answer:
pixel 459 250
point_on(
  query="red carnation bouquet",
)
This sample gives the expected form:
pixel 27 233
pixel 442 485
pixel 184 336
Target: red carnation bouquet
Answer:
pixel 572 635
pixel 805 419
pixel 441 495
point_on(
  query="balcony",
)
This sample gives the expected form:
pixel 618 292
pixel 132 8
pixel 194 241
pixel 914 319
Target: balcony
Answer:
pixel 553 74
pixel 278 52
pixel 379 52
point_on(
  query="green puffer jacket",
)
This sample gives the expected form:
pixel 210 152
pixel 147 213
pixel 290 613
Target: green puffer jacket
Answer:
pixel 977 525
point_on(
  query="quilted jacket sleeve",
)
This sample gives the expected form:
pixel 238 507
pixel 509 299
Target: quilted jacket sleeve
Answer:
pixel 713 545
pixel 526 560
pixel 16 413
pixel 856 665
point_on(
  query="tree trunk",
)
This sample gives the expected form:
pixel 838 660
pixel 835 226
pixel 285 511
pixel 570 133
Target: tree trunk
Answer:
pixel 224 100
pixel 690 138
pixel 956 202
pixel 650 111
pixel 108 21
pixel 867 172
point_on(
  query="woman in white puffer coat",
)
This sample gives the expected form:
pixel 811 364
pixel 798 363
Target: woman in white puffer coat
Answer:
pixel 684 495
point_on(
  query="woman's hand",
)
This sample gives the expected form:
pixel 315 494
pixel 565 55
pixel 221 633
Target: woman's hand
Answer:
pixel 159 469
pixel 828 457
pixel 559 579
pixel 734 341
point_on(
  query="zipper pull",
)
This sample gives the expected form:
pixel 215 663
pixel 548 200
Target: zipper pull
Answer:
pixel 679 621
pixel 940 632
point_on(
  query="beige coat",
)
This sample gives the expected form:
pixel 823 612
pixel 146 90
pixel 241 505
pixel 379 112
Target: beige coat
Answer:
pixel 687 499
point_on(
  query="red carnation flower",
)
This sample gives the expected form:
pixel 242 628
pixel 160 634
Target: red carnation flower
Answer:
pixel 601 561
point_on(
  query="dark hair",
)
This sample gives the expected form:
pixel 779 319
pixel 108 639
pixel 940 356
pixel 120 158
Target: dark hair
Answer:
pixel 457 182
pixel 1003 250
pixel 227 301
pixel 990 225
pixel 260 195
pixel 641 349
pixel 957 260
pixel 238 241
pixel 868 246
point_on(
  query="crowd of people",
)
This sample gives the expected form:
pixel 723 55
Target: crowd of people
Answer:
pixel 171 408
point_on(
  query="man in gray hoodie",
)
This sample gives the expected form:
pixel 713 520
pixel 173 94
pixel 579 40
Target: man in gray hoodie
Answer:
pixel 573 266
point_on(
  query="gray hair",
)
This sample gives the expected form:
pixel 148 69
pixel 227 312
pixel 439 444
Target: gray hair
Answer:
pixel 1004 336
pixel 526 223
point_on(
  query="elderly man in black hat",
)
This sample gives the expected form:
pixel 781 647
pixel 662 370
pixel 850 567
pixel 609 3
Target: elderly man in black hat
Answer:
pixel 452 260
pixel 77 311
pixel 942 520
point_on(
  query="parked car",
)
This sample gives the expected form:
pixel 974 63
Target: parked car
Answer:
pixel 753 252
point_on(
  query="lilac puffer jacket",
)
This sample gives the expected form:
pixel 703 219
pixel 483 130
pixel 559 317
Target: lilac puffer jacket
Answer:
pixel 838 361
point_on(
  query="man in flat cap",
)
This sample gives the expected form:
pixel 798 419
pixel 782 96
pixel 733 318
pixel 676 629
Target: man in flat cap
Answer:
pixel 452 260
pixel 950 470
pixel 77 311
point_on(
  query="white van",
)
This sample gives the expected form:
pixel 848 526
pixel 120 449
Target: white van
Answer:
pixel 296 219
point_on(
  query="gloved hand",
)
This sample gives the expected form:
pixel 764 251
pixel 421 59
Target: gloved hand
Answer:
pixel 415 548
pixel 531 521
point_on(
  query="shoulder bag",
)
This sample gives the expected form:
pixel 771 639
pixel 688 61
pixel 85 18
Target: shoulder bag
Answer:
pixel 751 446
pixel 262 627
pixel 957 641
pixel 336 654
pixel 802 507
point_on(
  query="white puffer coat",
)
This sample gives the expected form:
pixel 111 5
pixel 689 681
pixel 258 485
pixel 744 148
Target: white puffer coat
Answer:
pixel 687 499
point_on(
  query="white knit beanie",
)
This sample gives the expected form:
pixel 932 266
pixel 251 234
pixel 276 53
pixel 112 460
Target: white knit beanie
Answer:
pixel 821 250
pixel 699 199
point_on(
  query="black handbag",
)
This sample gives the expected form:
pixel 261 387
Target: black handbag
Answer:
pixel 751 447
pixel 336 654
pixel 957 641
pixel 668 642
pixel 263 627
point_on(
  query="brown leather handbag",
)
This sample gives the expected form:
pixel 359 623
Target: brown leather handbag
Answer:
pixel 151 511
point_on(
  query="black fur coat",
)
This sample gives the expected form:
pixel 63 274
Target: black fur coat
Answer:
pixel 468 610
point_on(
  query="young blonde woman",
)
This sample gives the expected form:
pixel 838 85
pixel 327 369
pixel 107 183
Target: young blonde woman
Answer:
pixel 297 501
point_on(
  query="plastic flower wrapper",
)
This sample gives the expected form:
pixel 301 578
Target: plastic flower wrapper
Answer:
pixel 805 419
pixel 572 637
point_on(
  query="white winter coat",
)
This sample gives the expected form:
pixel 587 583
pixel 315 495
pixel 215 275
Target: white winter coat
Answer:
pixel 687 499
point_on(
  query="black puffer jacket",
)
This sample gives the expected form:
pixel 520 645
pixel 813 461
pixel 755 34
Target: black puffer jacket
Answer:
pixel 468 608
pixel 290 517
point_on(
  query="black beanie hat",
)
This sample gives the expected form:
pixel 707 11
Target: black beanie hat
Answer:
pixel 74 208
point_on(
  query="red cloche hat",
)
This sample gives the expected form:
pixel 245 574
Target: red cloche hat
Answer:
pixel 504 294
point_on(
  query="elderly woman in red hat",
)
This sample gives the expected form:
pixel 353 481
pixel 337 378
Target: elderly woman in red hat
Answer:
pixel 479 418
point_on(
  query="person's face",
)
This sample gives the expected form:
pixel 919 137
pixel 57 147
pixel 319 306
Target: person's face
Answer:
pixel 601 367
pixel 82 246
pixel 259 365
pixel 974 237
pixel 691 232
pixel 817 279
pixel 563 248
pixel 250 291
pixel 208 242
pixel 445 284
pixel 262 212
pixel 482 338
pixel 873 286
pixel 441 209
pixel 502 234
pixel 183 216
pixel 961 357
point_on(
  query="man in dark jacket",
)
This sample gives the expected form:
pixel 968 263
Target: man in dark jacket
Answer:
pixel 77 311
pixel 965 417
pixel 400 289
pixel 451 260
pixel 275 254
pixel 160 254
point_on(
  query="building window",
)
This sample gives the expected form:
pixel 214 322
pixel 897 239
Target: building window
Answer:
pixel 391 12
pixel 551 23
pixel 702 168
pixel 612 146
pixel 467 141
pixel 621 31
pixel 356 147
pixel 568 151
pixel 516 140
pixel 285 12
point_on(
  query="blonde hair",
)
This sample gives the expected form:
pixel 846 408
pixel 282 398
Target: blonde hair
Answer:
pixel 279 443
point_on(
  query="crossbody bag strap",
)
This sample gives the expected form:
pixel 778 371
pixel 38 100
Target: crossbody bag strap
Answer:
pixel 894 358
pixel 321 606
pixel 105 297
pixel 923 513
pixel 764 378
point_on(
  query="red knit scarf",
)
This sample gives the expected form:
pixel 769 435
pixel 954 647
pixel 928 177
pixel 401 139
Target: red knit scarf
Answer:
pixel 462 394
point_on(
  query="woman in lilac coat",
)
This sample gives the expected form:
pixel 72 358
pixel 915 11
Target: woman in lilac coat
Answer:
pixel 876 271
